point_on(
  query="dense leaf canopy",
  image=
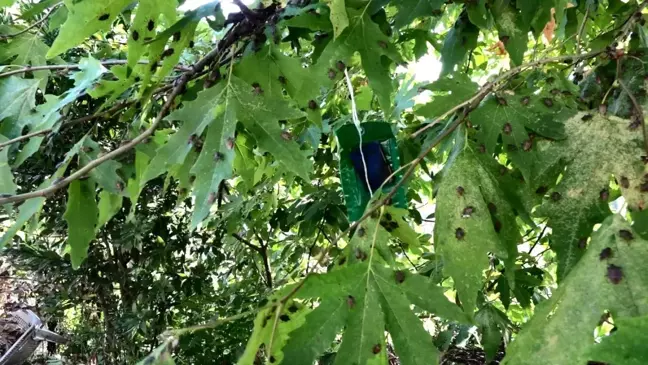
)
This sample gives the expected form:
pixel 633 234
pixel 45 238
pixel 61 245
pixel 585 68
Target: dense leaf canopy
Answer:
pixel 180 180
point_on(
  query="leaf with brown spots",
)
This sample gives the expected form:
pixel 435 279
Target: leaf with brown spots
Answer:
pixel 611 276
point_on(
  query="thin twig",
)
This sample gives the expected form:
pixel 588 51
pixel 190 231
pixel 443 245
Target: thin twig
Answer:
pixel 114 109
pixel 213 323
pixel 77 66
pixel 246 242
pixel 263 252
pixel 7 36
pixel 539 238
pixel 636 105
pixel 488 87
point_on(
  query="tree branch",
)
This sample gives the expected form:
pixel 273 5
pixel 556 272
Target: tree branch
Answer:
pixel 7 36
pixel 246 242
pixel 77 66
pixel 114 109
pixel 263 252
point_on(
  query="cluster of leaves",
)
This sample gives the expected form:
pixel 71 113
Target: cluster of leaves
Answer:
pixel 165 170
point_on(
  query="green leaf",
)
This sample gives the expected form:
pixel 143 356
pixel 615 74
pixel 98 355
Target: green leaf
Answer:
pixel 89 71
pixel 339 17
pixel 32 206
pixel 214 165
pixel 408 10
pixel 411 341
pixel 81 217
pixel 461 39
pixel 627 345
pixel 38 8
pixel 479 15
pixel 260 116
pixel 582 298
pixel 18 98
pixel 6 2
pixel 290 318
pixel 44 118
pixel 596 148
pixel 115 88
pixel 109 205
pixel 473 219
pixel 512 29
pixel 27 50
pixel 452 90
pixel 148 13
pixel 196 115
pixel 7 185
pixel 105 174
pixel 365 37
pixel 84 19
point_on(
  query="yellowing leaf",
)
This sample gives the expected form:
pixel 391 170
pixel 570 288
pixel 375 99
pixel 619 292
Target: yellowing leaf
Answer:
pixel 339 16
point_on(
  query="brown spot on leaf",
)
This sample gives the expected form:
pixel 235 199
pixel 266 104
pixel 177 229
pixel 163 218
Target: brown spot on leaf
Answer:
pixel 606 253
pixel 555 196
pixel 542 190
pixel 582 243
pixel 467 212
pixel 624 182
pixel 331 73
pixel 150 25
pixel 286 135
pixel 351 301
pixel 135 35
pixel 342 260
pixel 460 190
pixel 284 318
pixel 525 101
pixel 399 276
pixel 191 44
pixel 507 128
pixel 168 52
pixel 282 79
pixel 604 194
pixel 212 198
pixel 548 102
pixel 492 208
pixel 626 235
pixel 460 233
pixel 497 225
pixel 176 36
pixel 293 308
pixel 230 143
pixel 361 232
pixel 527 145
pixel 360 255
pixel 376 349
pixel 502 101
pixel 312 104
pixel 218 156
pixel 340 66
pixel 614 274
pixel 382 44
pixel 104 17
pixel 482 148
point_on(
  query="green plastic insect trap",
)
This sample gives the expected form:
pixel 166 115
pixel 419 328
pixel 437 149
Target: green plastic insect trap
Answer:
pixel 362 178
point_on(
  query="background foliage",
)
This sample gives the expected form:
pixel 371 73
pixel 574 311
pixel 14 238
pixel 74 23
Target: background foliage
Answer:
pixel 170 187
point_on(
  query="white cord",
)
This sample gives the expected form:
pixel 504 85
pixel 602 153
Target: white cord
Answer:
pixel 356 121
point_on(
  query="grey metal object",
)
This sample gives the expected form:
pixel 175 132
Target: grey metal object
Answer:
pixel 33 334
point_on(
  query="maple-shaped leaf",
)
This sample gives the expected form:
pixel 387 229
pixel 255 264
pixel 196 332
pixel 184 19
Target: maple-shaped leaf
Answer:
pixel 146 20
pixel 339 17
pixel 90 70
pixel 115 88
pixel 364 36
pixel 512 29
pixel 44 118
pixel 105 174
pixel 18 99
pixel 32 206
pixel 596 148
pixel 449 90
pixel 84 19
pixel 513 117
pixel 109 205
pixel 458 42
pixel 27 50
pixel 611 276
pixel 81 216
pixel 214 165
pixel 626 345
pixel 165 50
pixel 195 115
pixel 362 297
pixel 479 14
pixel 408 10
pixel 260 116
pixel 7 185
pixel 271 326
pixel 473 218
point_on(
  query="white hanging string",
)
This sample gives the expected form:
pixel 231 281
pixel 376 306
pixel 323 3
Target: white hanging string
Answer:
pixel 356 121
